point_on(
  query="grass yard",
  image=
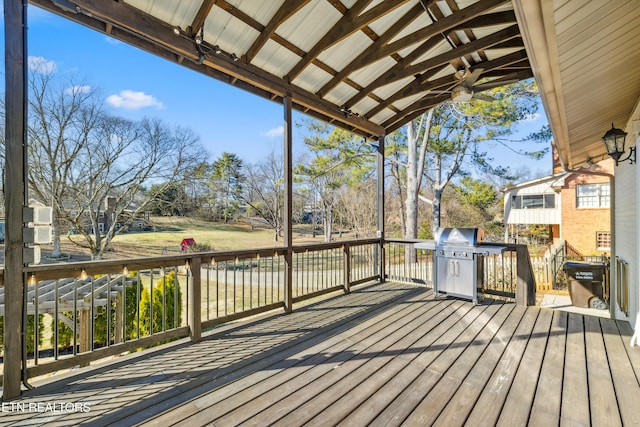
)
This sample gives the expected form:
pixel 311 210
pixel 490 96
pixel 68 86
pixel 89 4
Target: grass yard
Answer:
pixel 171 230
pixel 218 236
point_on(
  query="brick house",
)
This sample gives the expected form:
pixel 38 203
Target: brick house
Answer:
pixel 575 206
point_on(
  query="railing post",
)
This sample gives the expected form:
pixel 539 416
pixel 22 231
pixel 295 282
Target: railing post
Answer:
pixel 380 204
pixel 526 285
pixel 288 203
pixel 346 258
pixel 195 300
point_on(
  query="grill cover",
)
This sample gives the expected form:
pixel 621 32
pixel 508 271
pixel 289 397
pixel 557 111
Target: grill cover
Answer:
pixel 459 236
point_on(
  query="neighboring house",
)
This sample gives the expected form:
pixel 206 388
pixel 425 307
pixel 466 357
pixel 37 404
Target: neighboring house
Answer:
pixel 575 206
pixel 107 216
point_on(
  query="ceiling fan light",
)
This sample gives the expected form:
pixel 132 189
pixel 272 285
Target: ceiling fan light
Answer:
pixel 461 94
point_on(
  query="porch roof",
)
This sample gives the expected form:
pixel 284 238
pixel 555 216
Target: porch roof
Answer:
pixel 368 66
pixel 585 59
pixel 384 354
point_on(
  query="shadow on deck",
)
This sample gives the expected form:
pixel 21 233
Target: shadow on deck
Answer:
pixel 384 354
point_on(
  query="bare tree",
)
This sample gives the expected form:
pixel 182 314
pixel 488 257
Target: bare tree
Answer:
pixel 60 112
pixel 357 207
pixel 264 191
pixel 115 167
pixel 80 157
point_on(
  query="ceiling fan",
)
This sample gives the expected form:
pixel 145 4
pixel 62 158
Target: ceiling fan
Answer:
pixel 464 91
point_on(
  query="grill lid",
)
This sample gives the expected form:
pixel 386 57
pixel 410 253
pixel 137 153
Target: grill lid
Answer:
pixel 459 236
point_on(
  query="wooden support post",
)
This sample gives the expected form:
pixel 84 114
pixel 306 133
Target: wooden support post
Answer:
pixel 288 204
pixel 195 299
pixel 526 284
pixel 15 62
pixel 380 206
pixel 346 255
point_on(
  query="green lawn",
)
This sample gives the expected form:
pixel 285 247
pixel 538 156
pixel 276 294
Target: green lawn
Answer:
pixel 218 236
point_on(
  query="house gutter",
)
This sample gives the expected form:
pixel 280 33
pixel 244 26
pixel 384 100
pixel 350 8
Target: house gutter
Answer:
pixel 612 225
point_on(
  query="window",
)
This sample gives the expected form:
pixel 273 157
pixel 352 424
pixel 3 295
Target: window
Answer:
pixel 603 240
pixel 592 196
pixel 534 201
pixel 101 227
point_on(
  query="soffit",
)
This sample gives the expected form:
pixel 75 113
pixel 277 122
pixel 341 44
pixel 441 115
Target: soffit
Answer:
pixel 585 58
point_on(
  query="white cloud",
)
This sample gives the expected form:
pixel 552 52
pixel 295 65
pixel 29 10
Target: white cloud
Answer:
pixel 74 90
pixel 274 133
pixel 41 65
pixel 112 41
pixel 131 100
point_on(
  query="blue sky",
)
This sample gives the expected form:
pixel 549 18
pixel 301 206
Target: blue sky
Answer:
pixel 136 84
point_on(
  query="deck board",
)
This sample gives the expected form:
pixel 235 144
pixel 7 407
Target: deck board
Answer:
pixel 454 374
pixel 489 406
pixel 463 401
pixel 306 405
pixel 602 398
pixel 575 387
pixel 517 406
pixel 624 380
pixel 341 360
pixel 387 354
pixel 545 410
pixel 422 381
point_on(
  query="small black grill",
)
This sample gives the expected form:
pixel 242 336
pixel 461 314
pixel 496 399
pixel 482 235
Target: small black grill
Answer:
pixel 459 261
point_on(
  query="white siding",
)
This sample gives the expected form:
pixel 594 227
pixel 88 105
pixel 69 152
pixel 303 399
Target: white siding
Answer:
pixel 627 225
pixel 532 216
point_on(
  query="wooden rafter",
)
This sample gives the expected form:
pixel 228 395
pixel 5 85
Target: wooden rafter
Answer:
pixel 405 69
pixel 201 16
pixel 421 84
pixel 413 39
pixel 383 48
pixel 347 25
pixel 285 12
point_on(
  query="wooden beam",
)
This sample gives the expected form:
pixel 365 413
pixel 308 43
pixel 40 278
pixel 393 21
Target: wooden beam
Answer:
pixel 422 85
pixel 380 203
pixel 405 69
pixel 15 191
pixel 285 12
pixel 350 23
pixel 382 40
pixel 413 88
pixel 288 203
pixel 382 48
pixel 201 16
pixel 149 33
pixel 413 110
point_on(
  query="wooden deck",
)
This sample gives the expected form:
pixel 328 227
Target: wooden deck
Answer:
pixel 387 354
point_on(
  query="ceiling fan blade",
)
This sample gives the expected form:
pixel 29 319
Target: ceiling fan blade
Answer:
pixel 483 97
pixel 473 77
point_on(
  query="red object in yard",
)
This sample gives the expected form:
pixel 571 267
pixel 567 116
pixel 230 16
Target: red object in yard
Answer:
pixel 186 243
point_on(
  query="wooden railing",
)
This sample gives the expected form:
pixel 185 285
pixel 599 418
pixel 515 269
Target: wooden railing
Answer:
pixel 84 311
pixel 508 275
pixel 80 312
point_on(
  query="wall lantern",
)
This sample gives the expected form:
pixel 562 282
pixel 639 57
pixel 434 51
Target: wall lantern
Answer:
pixel 614 143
